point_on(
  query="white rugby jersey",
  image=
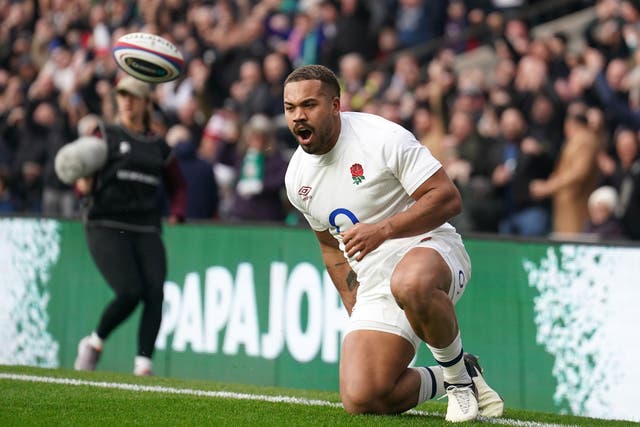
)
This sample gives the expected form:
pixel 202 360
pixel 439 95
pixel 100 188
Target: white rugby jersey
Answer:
pixel 369 175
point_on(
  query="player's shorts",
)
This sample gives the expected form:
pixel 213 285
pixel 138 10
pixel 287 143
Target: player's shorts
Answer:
pixel 376 308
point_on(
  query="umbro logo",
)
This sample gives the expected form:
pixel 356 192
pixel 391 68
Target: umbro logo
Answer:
pixel 304 192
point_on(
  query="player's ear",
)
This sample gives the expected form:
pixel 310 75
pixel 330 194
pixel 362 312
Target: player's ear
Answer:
pixel 335 102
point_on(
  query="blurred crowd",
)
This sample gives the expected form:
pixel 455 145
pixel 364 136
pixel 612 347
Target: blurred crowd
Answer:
pixel 543 142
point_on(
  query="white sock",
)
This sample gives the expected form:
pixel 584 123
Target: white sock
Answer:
pixel 95 341
pixel 452 361
pixel 431 383
pixel 141 364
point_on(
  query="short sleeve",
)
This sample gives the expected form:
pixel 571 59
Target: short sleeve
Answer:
pixel 411 162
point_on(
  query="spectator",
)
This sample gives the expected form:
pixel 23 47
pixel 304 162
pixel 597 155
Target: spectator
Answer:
pixel 199 73
pixel 530 80
pixel 545 123
pixel 402 83
pixel 352 74
pixel 629 13
pixel 275 68
pixel 574 177
pixel 623 174
pixel 513 42
pixel 604 32
pixel 217 147
pixel 305 43
pixel 558 67
pixel 602 223
pixel 260 170
pixel 39 189
pixel 429 130
pixel 417 21
pixel 470 169
pixel 7 205
pixel 328 14
pixel 456 24
pixel 201 186
pixel 440 89
pixel 12 117
pixel 174 95
pixel 354 33
pixel 521 159
pixel 249 92
pixel 610 85
pixel 387 46
pixel 470 98
pixel 277 29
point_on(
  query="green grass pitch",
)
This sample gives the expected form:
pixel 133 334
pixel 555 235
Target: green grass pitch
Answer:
pixel 61 397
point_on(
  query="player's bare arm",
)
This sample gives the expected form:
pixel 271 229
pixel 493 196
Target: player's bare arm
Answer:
pixel 339 270
pixel 437 201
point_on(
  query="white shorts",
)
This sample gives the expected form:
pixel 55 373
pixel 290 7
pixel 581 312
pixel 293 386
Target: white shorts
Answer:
pixel 376 308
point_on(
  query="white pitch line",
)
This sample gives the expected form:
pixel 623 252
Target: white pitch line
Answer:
pixel 239 396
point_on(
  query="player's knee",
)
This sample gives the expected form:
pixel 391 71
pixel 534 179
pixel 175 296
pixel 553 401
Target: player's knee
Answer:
pixel 358 403
pixel 409 288
pixel 363 399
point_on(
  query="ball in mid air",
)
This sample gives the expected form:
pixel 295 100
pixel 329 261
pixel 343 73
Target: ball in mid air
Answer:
pixel 148 57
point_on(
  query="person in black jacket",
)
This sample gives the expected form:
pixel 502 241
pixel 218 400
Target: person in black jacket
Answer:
pixel 623 174
pixel 203 197
pixel 123 223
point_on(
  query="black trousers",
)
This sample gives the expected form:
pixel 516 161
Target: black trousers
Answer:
pixel 134 265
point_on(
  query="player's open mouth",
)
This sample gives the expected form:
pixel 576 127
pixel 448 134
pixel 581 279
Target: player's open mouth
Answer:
pixel 304 135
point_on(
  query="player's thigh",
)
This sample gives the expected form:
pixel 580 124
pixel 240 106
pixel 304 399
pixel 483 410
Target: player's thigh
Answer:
pixel 419 271
pixel 372 361
pixel 440 262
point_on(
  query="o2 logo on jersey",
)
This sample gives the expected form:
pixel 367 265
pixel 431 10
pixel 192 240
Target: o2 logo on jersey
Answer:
pixel 342 211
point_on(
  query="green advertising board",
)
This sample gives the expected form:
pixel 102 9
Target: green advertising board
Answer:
pixel 252 304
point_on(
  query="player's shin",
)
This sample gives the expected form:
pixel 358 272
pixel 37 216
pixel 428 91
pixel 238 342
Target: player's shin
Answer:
pixel 452 362
pixel 431 383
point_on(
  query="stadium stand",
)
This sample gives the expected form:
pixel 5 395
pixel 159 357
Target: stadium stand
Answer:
pixel 467 57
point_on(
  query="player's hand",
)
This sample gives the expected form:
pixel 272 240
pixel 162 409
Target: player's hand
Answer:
pixel 362 239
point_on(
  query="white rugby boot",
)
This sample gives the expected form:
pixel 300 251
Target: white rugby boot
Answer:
pixel 463 402
pixel 490 404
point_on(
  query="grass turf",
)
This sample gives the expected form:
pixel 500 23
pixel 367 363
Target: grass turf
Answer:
pixel 30 403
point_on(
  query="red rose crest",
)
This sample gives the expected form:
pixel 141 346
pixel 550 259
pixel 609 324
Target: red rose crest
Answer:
pixel 357 173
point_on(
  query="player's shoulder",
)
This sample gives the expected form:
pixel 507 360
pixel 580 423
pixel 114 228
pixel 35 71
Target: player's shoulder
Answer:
pixel 374 134
pixel 358 118
pixel 372 124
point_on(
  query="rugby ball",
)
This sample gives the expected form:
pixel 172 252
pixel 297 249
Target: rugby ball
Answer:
pixel 148 57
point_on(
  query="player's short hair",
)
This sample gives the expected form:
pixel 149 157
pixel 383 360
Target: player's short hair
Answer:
pixel 316 72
